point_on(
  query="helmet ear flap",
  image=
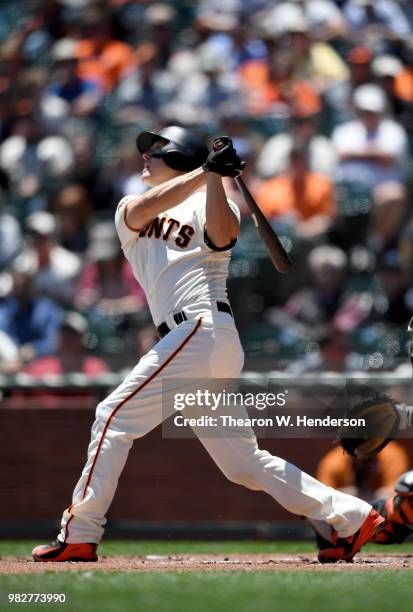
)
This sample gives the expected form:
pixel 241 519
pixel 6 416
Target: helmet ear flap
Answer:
pixel 176 160
pixel 182 150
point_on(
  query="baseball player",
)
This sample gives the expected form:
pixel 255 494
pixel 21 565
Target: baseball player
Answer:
pixel 177 237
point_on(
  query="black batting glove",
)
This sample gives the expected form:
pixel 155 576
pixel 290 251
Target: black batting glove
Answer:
pixel 223 159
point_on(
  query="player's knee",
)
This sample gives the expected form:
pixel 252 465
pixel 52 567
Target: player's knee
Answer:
pixel 104 410
pixel 99 422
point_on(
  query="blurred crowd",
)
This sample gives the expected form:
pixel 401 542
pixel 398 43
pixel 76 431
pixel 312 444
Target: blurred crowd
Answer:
pixel 318 98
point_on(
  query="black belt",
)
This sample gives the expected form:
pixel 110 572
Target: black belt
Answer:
pixel 180 317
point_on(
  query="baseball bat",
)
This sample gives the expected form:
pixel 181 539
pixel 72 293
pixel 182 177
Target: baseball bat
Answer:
pixel 276 251
pixel 279 256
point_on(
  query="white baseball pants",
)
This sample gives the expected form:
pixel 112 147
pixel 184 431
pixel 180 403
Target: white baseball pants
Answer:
pixel 205 346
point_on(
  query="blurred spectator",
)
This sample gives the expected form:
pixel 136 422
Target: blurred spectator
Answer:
pixel 396 78
pixel 376 19
pixel 372 151
pixel 405 250
pixel 326 307
pixel 219 18
pixel 19 154
pixel 273 85
pixel 385 69
pixel 54 268
pixel 275 154
pixel 196 88
pixel 359 59
pixel 73 211
pixel 107 282
pixel 88 174
pixel 71 355
pixel 16 49
pixel 142 87
pixel 305 197
pixel 159 18
pixel 314 59
pixel 394 297
pixel 233 36
pixel 35 163
pixel 367 480
pixel 31 322
pixel 324 18
pixel 10 235
pixel 9 355
pixel 403 84
pixel 102 59
pixel 81 95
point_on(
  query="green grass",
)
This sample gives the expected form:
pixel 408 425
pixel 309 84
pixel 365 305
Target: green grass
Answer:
pixel 322 590
pixel 219 592
pixel 120 547
pixel 146 547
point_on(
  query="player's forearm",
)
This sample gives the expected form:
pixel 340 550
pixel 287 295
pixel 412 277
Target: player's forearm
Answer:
pixel 221 223
pixel 143 209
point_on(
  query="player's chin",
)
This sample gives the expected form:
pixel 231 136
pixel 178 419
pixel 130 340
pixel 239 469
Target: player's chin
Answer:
pixel 151 180
pixel 146 177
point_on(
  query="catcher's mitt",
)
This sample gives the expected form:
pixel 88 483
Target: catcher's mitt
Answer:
pixel 382 422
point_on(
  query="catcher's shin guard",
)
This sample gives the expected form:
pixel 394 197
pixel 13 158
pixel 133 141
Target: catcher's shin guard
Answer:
pixel 397 509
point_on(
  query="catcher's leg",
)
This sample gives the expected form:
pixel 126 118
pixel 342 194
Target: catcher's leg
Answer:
pixel 397 509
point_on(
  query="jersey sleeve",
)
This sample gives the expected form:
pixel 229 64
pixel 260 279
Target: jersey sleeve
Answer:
pixel 202 218
pixel 126 233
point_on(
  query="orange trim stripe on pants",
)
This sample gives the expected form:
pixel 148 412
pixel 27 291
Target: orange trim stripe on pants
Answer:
pixel 122 403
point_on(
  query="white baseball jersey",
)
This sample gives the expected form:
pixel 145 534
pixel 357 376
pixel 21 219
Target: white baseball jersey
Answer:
pixel 171 260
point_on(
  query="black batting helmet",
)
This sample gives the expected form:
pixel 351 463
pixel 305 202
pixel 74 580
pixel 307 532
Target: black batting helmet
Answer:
pixel 182 150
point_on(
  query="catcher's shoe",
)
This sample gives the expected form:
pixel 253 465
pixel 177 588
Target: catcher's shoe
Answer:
pixel 345 549
pixel 397 509
pixel 60 551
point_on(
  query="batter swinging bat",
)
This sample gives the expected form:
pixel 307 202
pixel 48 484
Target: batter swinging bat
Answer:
pixel 276 251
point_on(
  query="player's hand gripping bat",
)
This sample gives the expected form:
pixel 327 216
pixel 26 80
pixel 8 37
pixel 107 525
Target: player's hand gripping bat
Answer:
pixel 276 251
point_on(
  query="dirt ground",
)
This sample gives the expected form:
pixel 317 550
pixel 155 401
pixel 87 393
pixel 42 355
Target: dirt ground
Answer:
pixel 208 563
